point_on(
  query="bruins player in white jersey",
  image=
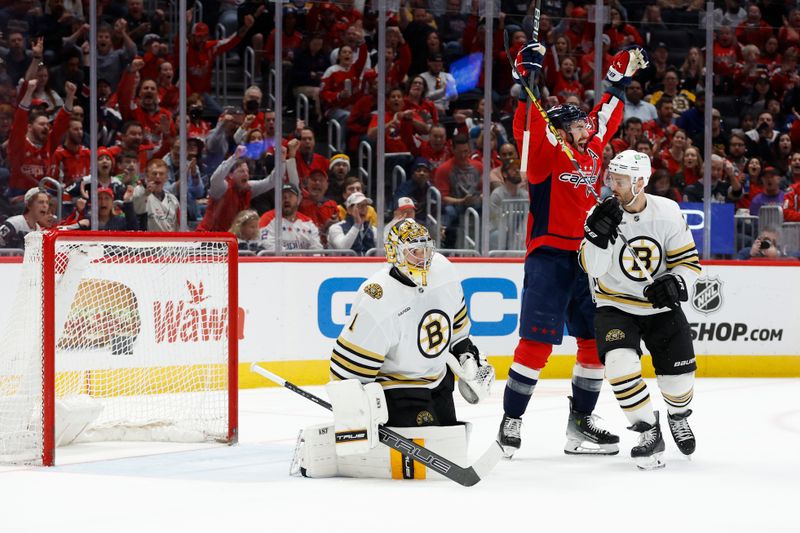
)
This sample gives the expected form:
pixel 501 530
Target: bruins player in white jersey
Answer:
pixel 394 364
pixel 630 309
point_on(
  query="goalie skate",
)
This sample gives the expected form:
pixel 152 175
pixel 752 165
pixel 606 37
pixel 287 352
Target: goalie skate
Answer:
pixel 584 437
pixel 648 454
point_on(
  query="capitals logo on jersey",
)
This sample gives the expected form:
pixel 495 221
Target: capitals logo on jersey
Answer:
pixel 587 176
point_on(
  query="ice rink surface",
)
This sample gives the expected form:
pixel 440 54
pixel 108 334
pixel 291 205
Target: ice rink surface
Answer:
pixel 745 476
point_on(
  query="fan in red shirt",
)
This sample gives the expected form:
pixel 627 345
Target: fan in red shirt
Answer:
pixel 71 160
pixel 306 158
pixel 586 63
pixel 361 112
pixel 145 109
pixel 566 81
pixel 659 131
pixel 168 93
pixel 671 157
pixel 753 29
pixel 727 52
pixel 291 40
pixel 31 141
pixel 315 203
pixel 437 149
pixel 338 88
pixel 155 54
pixel 200 54
pixel 396 121
pixel 791 204
pixel 621 33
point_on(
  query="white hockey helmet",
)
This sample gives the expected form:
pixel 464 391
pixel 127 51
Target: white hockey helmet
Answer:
pixel 632 163
pixel 409 248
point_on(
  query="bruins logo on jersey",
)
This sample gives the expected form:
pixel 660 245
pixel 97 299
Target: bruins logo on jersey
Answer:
pixel 649 253
pixel 425 418
pixel 374 290
pixel 615 335
pixel 433 334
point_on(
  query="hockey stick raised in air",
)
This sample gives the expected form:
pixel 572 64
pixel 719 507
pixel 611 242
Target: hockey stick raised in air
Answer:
pixel 526 135
pixel 463 476
pixel 565 147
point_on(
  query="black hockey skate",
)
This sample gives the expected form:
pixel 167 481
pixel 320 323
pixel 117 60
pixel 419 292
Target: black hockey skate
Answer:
pixel 648 453
pixel 584 437
pixel 509 435
pixel 682 433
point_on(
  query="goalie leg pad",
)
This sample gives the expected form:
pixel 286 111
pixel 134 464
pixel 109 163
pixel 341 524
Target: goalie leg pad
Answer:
pixel 315 453
pixel 387 463
pixel 357 411
pixel 315 456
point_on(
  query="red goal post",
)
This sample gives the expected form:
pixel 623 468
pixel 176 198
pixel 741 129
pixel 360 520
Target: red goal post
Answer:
pixel 136 340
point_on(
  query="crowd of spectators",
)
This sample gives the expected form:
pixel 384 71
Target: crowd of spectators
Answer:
pixel 434 117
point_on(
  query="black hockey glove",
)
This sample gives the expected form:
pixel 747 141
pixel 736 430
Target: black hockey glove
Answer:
pixel 601 225
pixel 667 291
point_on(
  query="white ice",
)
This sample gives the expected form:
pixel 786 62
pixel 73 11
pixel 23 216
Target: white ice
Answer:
pixel 745 476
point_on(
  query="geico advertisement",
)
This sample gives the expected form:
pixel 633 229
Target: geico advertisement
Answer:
pixel 296 310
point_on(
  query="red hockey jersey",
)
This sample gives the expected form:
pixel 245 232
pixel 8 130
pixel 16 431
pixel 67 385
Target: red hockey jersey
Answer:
pixel 559 199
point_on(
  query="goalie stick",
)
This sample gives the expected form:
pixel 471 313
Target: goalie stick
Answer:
pixel 566 148
pixel 466 477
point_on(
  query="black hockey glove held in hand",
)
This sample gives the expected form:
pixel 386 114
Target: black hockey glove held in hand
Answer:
pixel 601 225
pixel 667 291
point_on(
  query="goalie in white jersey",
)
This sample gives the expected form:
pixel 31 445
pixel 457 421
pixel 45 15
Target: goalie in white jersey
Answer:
pixel 631 309
pixel 394 364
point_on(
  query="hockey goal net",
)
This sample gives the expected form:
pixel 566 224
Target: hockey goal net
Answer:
pixel 119 336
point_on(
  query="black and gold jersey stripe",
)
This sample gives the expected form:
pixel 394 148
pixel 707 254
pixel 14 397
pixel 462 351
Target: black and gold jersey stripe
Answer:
pixel 672 254
pixel 461 318
pixel 394 380
pixel 349 361
pixel 604 293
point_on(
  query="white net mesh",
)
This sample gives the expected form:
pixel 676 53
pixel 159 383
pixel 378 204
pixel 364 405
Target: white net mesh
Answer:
pixel 141 344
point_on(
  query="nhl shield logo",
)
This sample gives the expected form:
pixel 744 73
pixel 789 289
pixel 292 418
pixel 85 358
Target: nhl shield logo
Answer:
pixel 707 297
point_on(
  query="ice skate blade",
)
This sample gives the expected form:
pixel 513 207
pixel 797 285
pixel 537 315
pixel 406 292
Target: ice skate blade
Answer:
pixel 580 447
pixel 654 462
pixel 508 451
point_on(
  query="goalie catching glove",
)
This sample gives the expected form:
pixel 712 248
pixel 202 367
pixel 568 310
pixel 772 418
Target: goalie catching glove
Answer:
pixel 625 65
pixel 601 225
pixel 667 291
pixel 475 373
pixel 358 410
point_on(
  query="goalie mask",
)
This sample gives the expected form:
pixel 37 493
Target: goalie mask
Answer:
pixel 634 164
pixel 410 249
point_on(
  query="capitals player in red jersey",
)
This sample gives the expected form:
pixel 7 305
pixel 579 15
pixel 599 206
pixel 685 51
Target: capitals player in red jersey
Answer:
pixel 555 290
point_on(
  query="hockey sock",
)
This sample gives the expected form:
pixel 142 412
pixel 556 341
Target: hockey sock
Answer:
pixel 586 383
pixel 519 389
pixel 677 391
pixel 624 374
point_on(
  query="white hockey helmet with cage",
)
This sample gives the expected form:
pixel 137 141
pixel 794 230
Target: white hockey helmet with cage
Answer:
pixel 410 249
